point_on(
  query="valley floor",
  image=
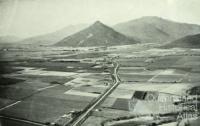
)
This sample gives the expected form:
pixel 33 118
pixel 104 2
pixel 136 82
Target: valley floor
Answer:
pixel 54 85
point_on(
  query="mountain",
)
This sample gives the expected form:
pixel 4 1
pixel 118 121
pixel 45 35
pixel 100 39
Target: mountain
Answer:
pixel 191 41
pixel 97 34
pixel 156 29
pixel 52 38
pixel 9 39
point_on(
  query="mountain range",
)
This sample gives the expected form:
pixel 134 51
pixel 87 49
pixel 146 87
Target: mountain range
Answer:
pixel 156 30
pixel 98 34
pixel 54 37
pixel 191 41
pixel 149 29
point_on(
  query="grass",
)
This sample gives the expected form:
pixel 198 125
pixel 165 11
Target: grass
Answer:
pixel 135 78
pixel 164 62
pixel 58 93
pixel 4 102
pixel 168 78
pixel 49 79
pixel 6 68
pixel 62 66
pixel 121 104
pixel 4 81
pixel 8 122
pixel 15 93
pixel 47 106
pixel 130 70
pixel 94 89
pixel 93 121
pixel 51 103
pixel 87 55
pixel 43 109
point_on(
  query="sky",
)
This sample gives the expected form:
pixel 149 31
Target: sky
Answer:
pixel 26 18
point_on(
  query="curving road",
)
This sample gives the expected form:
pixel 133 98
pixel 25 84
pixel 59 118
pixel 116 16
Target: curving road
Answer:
pixel 100 99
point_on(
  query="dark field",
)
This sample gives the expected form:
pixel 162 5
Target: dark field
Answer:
pixel 121 104
pixel 87 55
pixel 9 122
pixel 135 78
pixel 62 66
pixel 45 97
pixel 15 93
pixel 47 106
pixel 48 79
pixel 4 102
pixel 4 81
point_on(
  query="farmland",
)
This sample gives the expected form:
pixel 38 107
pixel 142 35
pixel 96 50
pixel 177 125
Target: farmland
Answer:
pixel 41 85
pixel 50 87
pixel 166 73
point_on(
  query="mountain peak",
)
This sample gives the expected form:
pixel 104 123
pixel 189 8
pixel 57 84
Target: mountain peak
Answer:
pixel 98 26
pixel 98 34
pixel 155 29
pixel 98 23
pixel 151 19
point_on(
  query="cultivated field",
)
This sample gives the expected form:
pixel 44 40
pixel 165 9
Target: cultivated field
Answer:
pixel 47 85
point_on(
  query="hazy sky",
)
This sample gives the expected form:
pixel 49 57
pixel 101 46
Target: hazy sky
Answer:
pixel 26 18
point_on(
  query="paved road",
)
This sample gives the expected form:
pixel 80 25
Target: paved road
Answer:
pixel 86 113
pixel 100 99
